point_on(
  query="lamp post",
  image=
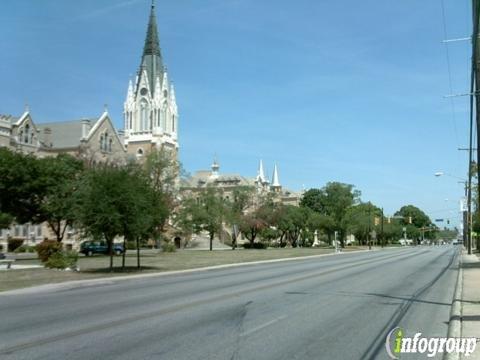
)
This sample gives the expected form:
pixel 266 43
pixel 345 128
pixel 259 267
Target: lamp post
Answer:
pixel 467 213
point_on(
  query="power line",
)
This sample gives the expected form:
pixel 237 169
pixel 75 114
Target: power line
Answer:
pixel 450 82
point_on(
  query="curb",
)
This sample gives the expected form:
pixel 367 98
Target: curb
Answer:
pixel 68 285
pixel 455 324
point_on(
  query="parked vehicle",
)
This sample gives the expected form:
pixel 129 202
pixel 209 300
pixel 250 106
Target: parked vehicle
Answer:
pixel 89 248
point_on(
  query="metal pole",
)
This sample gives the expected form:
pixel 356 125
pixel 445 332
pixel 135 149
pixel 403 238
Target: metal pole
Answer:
pixel 369 229
pixel 470 148
pixel 381 232
pixel 475 70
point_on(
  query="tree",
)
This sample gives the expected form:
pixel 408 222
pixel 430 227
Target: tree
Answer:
pixel 419 220
pixel 332 200
pixel 323 223
pixel 290 221
pixel 162 172
pixel 60 176
pixel 253 223
pixel 206 212
pixel 115 202
pixel 359 220
pixel 37 190
pixel 22 188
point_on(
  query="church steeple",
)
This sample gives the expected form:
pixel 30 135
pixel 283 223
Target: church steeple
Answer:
pixel 152 58
pixel 150 109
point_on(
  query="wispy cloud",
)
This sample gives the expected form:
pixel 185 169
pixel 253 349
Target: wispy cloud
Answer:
pixel 107 9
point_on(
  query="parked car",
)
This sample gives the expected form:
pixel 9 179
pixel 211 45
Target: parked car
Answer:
pixel 89 248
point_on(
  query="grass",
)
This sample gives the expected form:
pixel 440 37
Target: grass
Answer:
pixel 97 266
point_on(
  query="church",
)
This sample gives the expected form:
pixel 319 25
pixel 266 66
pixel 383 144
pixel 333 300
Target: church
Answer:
pixel 150 119
pixel 150 122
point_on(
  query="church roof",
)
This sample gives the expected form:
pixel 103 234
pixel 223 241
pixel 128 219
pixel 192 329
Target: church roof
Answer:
pixel 152 57
pixel 66 134
pixel 204 178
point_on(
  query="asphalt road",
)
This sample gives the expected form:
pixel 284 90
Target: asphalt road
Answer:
pixel 333 307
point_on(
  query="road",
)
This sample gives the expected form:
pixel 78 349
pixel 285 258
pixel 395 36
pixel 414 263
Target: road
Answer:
pixel 332 307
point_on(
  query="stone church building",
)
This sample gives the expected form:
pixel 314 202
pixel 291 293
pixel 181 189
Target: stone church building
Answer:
pixel 150 121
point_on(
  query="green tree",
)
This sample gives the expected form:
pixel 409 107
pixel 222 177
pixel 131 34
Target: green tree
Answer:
pixel 60 176
pixel 22 188
pixel 115 202
pixel 333 200
pixel 205 212
pixel 419 220
pixel 321 223
pixel 290 221
pixel 359 220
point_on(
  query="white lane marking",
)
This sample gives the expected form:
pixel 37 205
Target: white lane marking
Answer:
pixel 260 327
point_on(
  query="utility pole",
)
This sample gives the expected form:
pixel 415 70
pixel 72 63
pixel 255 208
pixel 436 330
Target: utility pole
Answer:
pixel 474 99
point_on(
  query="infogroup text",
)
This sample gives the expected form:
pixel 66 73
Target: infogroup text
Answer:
pixel 397 343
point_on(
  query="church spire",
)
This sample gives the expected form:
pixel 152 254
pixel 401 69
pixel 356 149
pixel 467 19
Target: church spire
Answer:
pixel 152 58
pixel 275 181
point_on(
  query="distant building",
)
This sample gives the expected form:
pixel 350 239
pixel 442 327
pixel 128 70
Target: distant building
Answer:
pixel 229 182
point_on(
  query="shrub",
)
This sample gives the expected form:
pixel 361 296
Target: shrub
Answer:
pixel 62 260
pixel 168 247
pixel 256 245
pixel 14 244
pixel 24 249
pixel 131 245
pixel 47 248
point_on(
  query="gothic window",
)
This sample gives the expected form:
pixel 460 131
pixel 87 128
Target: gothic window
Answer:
pixel 144 116
pixel 27 133
pixel 20 136
pixel 164 116
pixel 173 123
pixel 110 145
pixel 130 113
pixel 101 142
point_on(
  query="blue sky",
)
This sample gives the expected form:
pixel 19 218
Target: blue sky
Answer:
pixel 331 90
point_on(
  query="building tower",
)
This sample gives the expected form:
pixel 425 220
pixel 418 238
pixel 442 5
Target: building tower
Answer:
pixel 150 110
pixel 276 187
pixel 261 180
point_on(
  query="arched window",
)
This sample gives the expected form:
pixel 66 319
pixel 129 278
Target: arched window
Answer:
pixel 164 117
pixel 144 115
pixel 110 145
pixel 20 136
pixel 173 123
pixel 101 142
pixel 27 133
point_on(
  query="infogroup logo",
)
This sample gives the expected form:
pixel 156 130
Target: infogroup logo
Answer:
pixel 397 343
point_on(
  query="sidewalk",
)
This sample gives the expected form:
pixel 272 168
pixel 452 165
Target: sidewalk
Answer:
pixel 470 301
